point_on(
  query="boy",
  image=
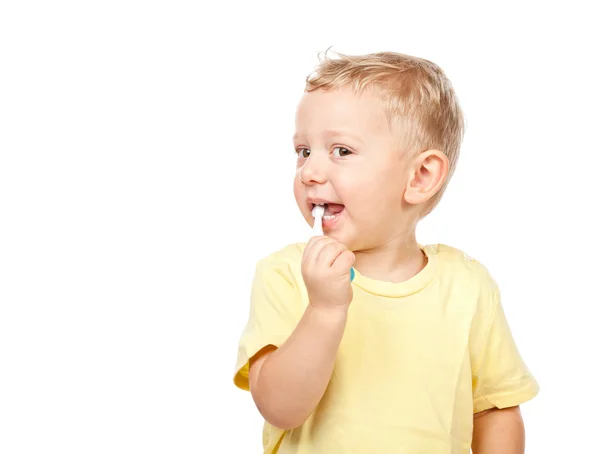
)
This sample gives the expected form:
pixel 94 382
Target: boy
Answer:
pixel 414 355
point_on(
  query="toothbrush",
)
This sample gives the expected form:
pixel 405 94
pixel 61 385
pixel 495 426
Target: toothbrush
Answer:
pixel 317 213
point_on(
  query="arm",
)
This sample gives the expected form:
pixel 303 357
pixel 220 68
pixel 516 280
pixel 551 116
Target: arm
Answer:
pixel 288 383
pixel 498 431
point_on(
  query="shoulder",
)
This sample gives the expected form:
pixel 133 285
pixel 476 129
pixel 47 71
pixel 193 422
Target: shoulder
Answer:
pixel 463 268
pixel 278 278
pixel 471 283
pixel 285 261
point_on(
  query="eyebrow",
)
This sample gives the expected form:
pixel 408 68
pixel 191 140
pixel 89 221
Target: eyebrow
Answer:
pixel 334 133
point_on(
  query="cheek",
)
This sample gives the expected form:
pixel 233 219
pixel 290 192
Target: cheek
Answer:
pixel 297 189
pixel 370 195
pixel 300 196
pixel 358 198
pixel 356 185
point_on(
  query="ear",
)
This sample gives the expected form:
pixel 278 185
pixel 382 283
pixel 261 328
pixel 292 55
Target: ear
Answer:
pixel 428 172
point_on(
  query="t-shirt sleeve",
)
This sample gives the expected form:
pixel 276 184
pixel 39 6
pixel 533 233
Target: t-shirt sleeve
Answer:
pixel 275 310
pixel 500 377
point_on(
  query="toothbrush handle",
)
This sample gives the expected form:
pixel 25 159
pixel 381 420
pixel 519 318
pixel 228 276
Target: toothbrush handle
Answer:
pixel 318 227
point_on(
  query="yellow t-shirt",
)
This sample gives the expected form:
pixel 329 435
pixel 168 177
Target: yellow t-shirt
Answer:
pixel 417 358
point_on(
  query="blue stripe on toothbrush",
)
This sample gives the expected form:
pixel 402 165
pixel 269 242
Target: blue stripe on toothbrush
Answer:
pixel 352 273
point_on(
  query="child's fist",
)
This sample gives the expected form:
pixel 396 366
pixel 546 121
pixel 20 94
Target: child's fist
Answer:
pixel 326 267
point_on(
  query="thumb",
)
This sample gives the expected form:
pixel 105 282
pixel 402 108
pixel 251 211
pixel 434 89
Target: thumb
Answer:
pixel 344 262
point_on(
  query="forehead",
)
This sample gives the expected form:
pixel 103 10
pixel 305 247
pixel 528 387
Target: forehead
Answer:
pixel 341 109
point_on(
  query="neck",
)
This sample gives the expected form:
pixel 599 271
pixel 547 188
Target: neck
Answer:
pixel 397 260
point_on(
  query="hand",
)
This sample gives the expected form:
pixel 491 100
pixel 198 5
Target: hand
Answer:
pixel 326 267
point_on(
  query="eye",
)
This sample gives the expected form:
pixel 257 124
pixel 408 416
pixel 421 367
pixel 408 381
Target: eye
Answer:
pixel 341 152
pixel 303 152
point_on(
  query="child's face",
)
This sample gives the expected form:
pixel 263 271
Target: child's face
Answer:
pixel 348 156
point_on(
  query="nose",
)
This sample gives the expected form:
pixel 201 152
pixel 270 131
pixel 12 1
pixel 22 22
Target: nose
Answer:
pixel 313 171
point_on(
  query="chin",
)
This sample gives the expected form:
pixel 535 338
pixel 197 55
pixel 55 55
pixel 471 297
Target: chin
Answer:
pixel 344 239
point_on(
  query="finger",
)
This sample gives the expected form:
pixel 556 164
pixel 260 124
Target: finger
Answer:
pixel 343 262
pixel 312 245
pixel 313 248
pixel 321 247
pixel 330 253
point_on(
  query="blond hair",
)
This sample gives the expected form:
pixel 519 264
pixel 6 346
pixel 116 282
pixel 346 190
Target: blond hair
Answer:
pixel 418 98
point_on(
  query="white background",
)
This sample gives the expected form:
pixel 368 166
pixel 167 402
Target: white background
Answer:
pixel 146 165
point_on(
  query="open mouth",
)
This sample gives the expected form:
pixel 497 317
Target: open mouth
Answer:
pixel 332 210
